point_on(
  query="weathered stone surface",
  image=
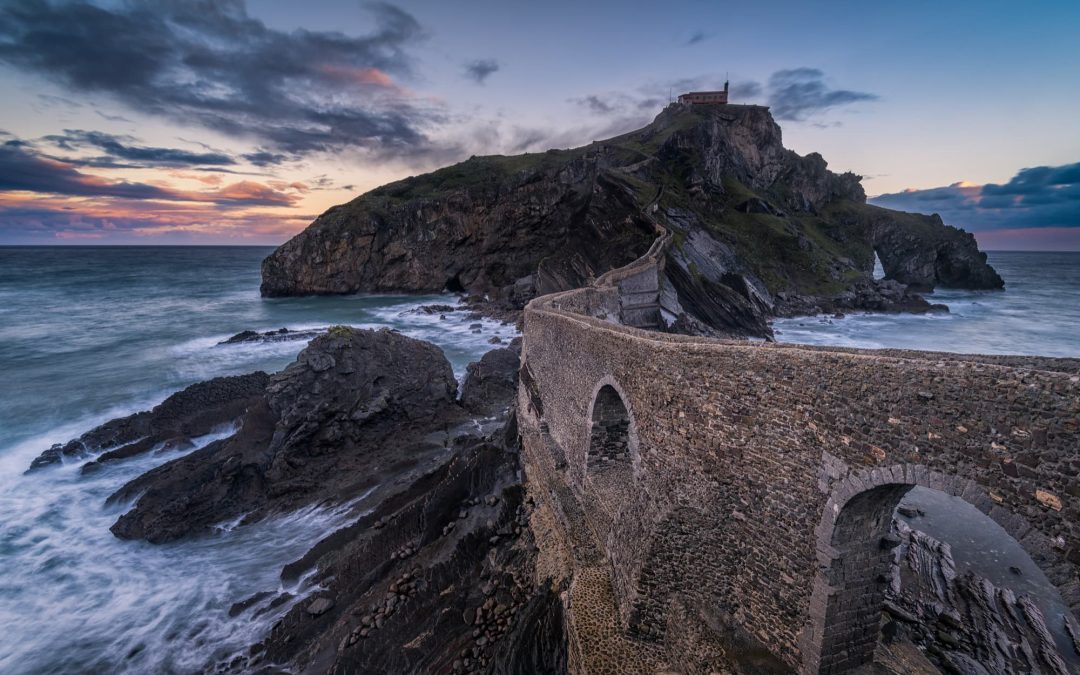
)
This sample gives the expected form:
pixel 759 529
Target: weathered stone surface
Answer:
pixel 1049 500
pixel 319 606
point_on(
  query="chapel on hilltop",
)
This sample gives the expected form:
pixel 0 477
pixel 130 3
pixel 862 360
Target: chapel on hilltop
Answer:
pixel 705 97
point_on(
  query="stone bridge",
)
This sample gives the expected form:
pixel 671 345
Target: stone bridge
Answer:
pixel 690 484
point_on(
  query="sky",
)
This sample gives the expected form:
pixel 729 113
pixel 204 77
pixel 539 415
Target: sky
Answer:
pixel 231 122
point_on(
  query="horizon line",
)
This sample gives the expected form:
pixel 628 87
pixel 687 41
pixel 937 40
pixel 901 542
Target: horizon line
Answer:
pixel 189 245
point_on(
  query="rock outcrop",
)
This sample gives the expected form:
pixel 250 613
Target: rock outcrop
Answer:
pixel 749 220
pixel 961 622
pixel 438 571
pixel 195 411
pixel 324 429
pixel 491 383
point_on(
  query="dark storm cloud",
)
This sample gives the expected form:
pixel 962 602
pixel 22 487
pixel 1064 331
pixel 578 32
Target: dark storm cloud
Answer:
pixel 51 100
pixel 22 170
pixel 745 90
pixel 1043 196
pixel 209 63
pixel 800 92
pixel 479 70
pixel 123 148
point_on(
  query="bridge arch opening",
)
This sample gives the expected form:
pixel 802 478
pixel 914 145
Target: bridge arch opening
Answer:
pixel 948 579
pixel 611 457
pixel 609 439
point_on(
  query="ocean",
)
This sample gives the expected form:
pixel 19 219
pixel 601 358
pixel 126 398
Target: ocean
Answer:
pixel 92 333
pixel 1038 313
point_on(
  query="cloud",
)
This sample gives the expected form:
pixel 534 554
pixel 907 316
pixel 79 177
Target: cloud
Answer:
pixel 50 100
pixel 24 171
pixel 601 105
pixel 479 70
pixel 696 37
pixel 1038 197
pixel 122 147
pixel 113 118
pixel 43 219
pixel 266 158
pixel 801 92
pixel 745 90
pixel 211 64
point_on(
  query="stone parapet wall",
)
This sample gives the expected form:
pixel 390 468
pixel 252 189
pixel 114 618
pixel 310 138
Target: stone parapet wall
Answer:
pixel 747 453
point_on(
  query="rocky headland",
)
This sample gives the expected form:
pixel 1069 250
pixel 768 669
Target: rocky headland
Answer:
pixel 757 230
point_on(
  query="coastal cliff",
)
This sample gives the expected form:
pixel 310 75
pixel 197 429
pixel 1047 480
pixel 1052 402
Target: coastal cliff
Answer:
pixel 757 230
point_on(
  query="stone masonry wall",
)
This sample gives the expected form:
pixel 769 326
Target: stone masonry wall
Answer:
pixel 748 454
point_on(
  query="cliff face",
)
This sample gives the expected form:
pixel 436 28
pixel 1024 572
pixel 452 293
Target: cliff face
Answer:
pixel 757 229
pixel 479 226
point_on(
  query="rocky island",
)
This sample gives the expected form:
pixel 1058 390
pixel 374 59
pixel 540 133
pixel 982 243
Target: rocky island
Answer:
pixel 757 230
pixel 618 491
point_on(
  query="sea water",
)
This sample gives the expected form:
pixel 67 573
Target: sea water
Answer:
pixel 1038 313
pixel 88 334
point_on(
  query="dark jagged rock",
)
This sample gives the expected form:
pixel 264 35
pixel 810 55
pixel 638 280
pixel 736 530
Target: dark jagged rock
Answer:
pixel 280 335
pixel 919 250
pixel 354 401
pixel 750 220
pixel 437 309
pixel 438 576
pixel 870 295
pixel 195 411
pixel 445 585
pixel 962 622
pixel 491 383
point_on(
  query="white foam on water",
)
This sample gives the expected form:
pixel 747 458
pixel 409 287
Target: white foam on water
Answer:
pixel 81 600
pixel 74 598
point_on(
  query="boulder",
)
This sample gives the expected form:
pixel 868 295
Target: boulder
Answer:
pixel 491 383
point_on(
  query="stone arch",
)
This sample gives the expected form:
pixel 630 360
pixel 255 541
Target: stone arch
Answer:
pixel 612 433
pixel 610 461
pixel 854 553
